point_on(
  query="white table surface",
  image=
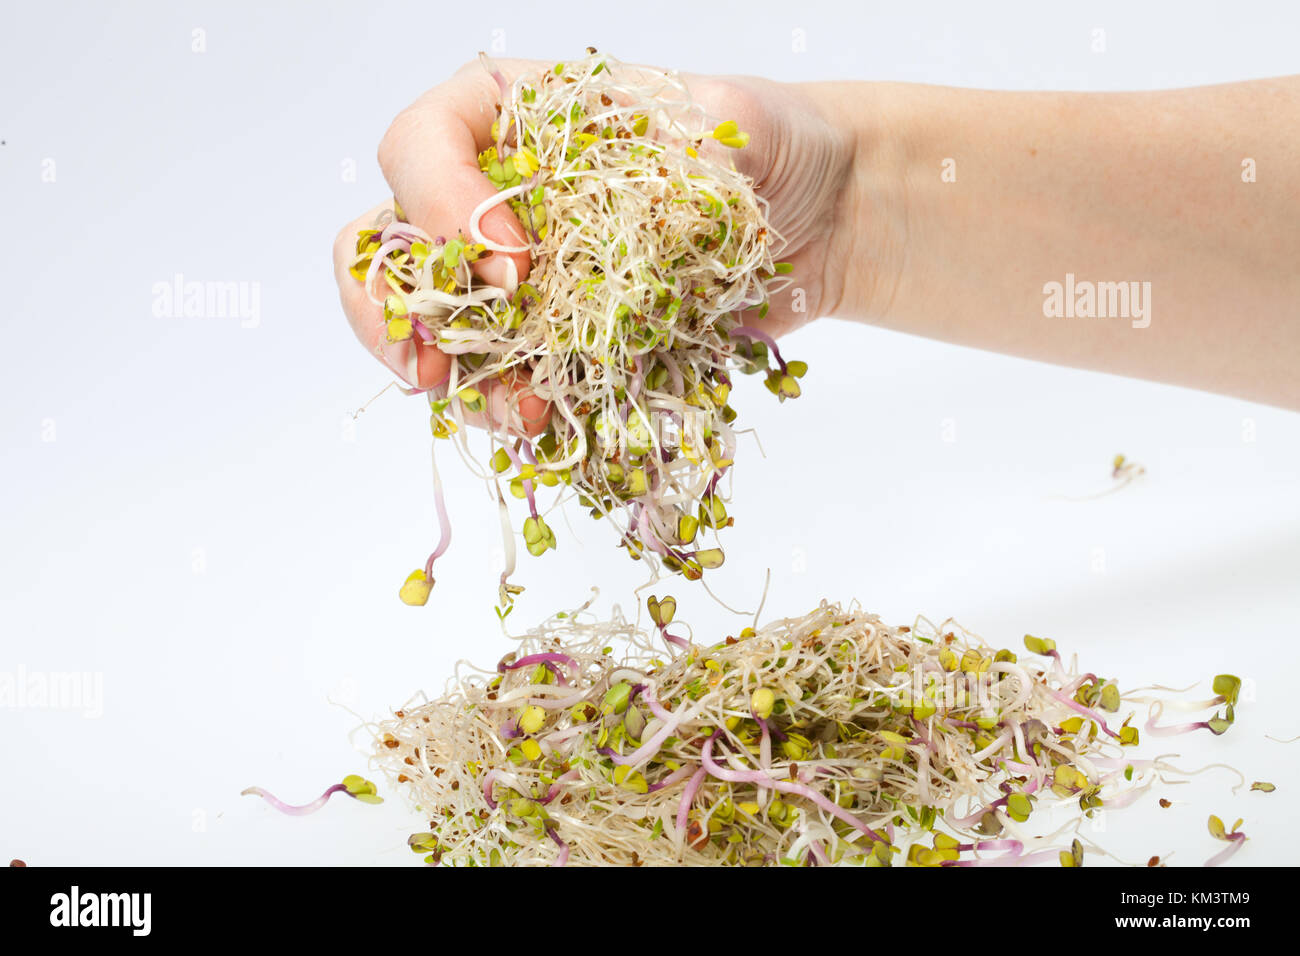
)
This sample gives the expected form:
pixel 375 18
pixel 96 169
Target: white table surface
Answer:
pixel 187 517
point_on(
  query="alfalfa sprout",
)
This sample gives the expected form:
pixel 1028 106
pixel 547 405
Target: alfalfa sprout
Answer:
pixel 826 738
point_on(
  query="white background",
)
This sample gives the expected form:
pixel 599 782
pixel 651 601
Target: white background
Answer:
pixel 202 532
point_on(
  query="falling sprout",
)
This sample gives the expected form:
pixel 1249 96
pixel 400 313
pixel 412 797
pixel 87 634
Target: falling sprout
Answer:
pixel 649 254
pixel 1263 786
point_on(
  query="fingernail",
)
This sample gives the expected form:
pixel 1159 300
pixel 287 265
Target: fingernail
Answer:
pixel 500 270
pixel 398 357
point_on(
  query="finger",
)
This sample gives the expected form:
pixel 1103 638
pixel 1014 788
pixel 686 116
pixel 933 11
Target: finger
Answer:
pixel 417 364
pixel 430 158
pixel 511 404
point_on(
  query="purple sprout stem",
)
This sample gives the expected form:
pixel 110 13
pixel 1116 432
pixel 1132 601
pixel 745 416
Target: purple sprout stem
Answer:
pixel 975 817
pixel 658 709
pixel 1013 846
pixel 403 231
pixel 764 746
pixel 646 532
pixel 546 658
pixel 1078 682
pixel 681 773
pixel 1124 799
pixel 555 788
pixel 1236 839
pixel 634 386
pixel 647 749
pixel 563 858
pixel 749 332
pixel 1086 711
pixel 1016 766
pixel 785 786
pixel 1009 859
pixel 290 809
pixel 674 374
pixel 487 788
pixel 558 703
pixel 919 729
pixel 444 521
pixel 688 797
pixel 673 638
pixel 528 482
pixel 1174 729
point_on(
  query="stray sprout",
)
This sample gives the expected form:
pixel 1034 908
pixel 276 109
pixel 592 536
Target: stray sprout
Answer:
pixel 648 252
pixel 1125 471
pixel 1226 688
pixel 825 739
pixel 356 787
pixel 1263 786
pixel 1235 839
pixel 1122 472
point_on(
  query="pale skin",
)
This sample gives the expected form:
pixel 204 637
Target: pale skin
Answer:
pixel 945 212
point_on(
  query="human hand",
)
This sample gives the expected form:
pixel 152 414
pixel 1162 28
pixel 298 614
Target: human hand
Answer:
pixel 798 159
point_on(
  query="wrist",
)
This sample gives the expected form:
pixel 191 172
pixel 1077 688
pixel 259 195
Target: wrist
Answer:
pixel 867 244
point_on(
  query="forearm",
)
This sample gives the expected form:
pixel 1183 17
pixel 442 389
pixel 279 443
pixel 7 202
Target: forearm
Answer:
pixel 967 205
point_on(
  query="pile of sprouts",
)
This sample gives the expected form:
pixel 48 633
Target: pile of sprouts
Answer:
pixel 651 259
pixel 825 739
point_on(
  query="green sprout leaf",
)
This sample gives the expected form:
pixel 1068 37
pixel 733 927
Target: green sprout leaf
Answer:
pixel 616 698
pixel 1039 645
pixel 1227 686
pixel 362 789
pixel 1019 807
pixel 662 610
pixel 710 558
pixel 1218 725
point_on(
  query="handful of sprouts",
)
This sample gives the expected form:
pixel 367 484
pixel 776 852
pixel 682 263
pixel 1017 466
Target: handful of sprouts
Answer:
pixel 829 738
pixel 646 251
